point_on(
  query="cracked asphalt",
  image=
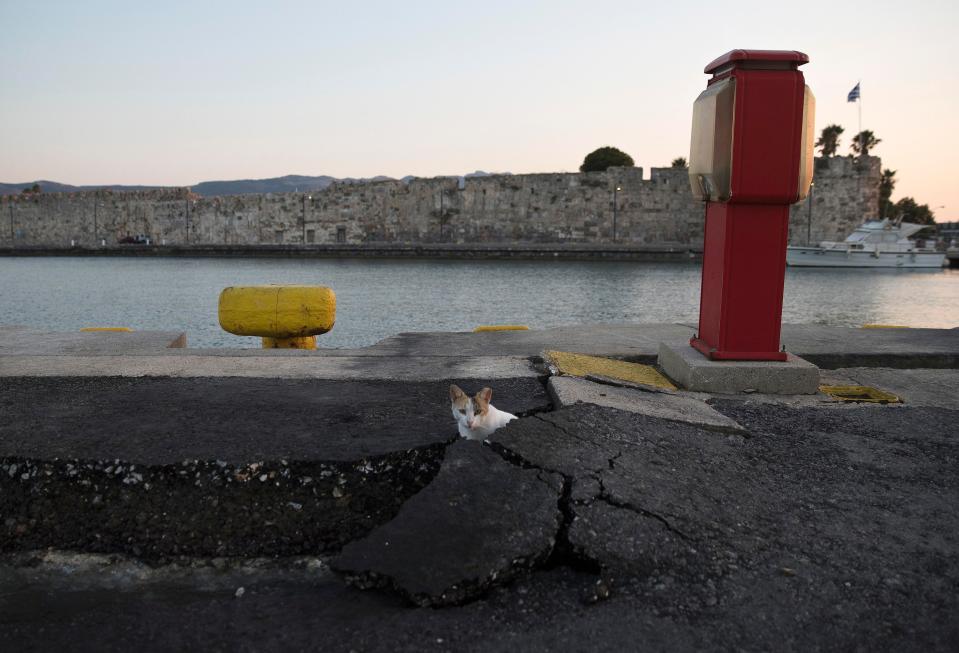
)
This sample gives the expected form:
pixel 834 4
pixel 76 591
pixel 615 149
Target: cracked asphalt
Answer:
pixel 818 527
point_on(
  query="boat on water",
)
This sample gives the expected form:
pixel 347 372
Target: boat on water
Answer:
pixel 876 244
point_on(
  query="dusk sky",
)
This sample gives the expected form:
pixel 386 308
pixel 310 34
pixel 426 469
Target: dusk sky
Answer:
pixel 175 93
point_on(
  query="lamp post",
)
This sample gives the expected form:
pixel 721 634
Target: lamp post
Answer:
pixel 303 220
pixel 812 188
pixel 442 218
pixel 616 190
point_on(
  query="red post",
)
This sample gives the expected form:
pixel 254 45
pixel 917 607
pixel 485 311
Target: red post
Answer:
pixel 751 157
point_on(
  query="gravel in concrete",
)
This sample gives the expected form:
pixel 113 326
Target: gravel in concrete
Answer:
pixel 482 521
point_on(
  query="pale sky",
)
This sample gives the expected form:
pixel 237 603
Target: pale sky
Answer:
pixel 173 93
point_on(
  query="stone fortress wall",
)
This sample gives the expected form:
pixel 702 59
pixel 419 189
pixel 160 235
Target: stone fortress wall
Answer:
pixel 552 208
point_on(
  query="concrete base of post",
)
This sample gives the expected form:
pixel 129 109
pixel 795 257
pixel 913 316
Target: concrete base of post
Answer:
pixel 691 370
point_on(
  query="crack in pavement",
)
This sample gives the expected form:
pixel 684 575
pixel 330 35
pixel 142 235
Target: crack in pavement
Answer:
pixel 606 496
pixel 563 553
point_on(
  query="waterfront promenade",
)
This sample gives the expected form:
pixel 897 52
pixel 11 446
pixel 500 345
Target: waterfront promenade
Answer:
pixel 156 496
pixel 482 252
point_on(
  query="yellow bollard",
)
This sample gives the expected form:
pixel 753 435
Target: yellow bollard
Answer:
pixel 285 316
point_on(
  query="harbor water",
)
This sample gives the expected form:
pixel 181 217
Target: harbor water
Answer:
pixel 380 298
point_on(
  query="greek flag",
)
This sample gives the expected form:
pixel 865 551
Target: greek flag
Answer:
pixel 853 94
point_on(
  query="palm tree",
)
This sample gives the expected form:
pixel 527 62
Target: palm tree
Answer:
pixel 863 142
pixel 679 162
pixel 829 140
pixel 887 182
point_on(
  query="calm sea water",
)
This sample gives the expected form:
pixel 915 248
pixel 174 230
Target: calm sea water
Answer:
pixel 376 299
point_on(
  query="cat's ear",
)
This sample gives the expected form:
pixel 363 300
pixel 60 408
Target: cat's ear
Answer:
pixel 455 392
pixel 486 394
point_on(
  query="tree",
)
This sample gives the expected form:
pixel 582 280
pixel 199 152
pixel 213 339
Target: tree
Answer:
pixel 605 157
pixel 680 162
pixel 887 182
pixel 910 211
pixel 33 189
pixel 828 142
pixel 863 142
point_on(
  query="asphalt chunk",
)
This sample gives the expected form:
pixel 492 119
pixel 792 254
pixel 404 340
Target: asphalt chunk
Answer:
pixel 481 522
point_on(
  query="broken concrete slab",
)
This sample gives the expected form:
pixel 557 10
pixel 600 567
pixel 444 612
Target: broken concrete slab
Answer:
pixel 693 371
pixel 807 495
pixel 160 467
pixel 672 470
pixel 852 544
pixel 482 521
pixel 568 391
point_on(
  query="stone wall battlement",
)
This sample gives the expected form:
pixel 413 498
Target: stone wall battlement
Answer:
pixel 548 208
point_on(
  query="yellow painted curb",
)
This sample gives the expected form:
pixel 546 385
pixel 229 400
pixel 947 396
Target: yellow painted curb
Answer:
pixel 124 329
pixel 277 311
pixel 501 327
pixel 860 393
pixel 571 364
pixel 884 326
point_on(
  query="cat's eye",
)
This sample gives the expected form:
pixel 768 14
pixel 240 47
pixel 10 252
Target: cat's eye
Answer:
pixel 462 411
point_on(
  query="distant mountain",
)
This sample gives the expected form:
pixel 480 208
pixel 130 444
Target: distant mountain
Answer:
pixel 483 173
pixel 57 187
pixel 287 184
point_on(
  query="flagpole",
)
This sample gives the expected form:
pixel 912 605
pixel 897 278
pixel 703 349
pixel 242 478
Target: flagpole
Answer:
pixel 859 136
pixel 859 85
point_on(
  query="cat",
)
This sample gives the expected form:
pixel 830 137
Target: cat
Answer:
pixel 475 416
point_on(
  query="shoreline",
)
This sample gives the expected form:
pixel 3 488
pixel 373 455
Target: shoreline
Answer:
pixel 380 251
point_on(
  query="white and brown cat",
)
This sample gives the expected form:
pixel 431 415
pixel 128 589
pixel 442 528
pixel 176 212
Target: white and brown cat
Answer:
pixel 475 416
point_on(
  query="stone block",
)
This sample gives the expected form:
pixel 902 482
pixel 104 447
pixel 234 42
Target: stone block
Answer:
pixel 693 371
pixel 566 391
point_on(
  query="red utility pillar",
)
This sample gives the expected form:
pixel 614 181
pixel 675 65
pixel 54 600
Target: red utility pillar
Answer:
pixel 750 158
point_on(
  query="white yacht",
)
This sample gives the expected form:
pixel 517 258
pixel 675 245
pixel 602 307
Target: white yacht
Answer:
pixel 876 244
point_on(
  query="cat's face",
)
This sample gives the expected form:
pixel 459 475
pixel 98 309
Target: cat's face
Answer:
pixel 470 411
